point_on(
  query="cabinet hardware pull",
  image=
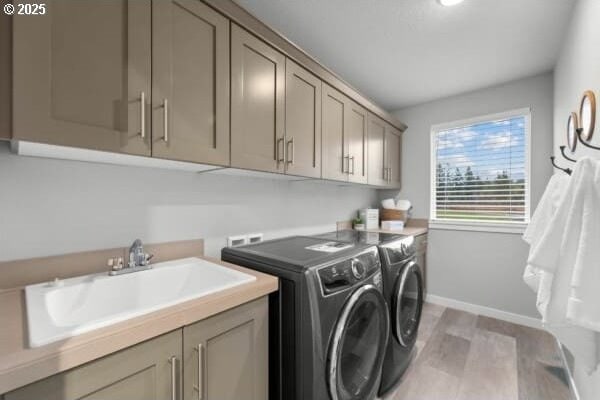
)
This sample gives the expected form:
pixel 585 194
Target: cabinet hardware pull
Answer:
pixel 166 120
pixel 143 115
pixel 351 158
pixel 173 362
pixel 279 158
pixel 291 160
pixel 389 174
pixel 385 174
pixel 344 170
pixel 200 388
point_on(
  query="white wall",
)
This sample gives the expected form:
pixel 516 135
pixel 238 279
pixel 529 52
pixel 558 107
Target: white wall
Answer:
pixel 578 69
pixel 53 206
pixel 484 269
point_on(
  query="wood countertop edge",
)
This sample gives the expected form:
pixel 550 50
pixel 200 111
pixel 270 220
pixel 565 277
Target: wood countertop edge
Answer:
pixel 409 230
pixel 19 368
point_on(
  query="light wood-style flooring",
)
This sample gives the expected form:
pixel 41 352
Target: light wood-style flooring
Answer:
pixel 463 356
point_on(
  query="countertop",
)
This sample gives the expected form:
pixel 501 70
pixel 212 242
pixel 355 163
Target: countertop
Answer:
pixel 21 365
pixel 408 230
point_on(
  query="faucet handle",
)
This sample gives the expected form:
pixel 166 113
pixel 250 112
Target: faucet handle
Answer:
pixel 115 264
pixel 147 258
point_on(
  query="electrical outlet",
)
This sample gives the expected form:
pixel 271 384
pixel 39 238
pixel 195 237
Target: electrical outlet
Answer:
pixel 255 238
pixel 235 241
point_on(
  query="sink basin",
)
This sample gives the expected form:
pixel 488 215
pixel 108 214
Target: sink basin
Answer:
pixel 66 308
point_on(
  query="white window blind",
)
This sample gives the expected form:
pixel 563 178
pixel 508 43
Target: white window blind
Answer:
pixel 480 170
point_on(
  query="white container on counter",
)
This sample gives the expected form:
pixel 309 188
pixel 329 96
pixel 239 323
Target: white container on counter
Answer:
pixel 370 217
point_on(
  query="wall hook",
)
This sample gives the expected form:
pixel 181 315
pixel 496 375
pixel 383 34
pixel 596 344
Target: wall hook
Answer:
pixel 583 142
pixel 562 150
pixel 566 170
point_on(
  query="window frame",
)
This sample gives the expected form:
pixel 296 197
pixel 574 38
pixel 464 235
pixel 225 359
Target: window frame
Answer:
pixel 471 225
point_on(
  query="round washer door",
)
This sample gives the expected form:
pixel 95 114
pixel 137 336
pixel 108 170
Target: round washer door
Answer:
pixel 407 304
pixel 358 346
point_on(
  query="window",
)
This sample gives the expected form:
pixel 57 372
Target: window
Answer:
pixel 480 173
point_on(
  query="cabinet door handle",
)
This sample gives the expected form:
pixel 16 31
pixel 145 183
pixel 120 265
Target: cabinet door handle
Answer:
pixel 389 174
pixel 166 120
pixel 278 157
pixel 291 142
pixel 143 115
pixel 351 158
pixel 344 170
pixel 173 362
pixel 200 388
pixel 385 174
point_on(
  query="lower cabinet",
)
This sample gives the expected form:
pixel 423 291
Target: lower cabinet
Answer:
pixel 142 372
pixel 224 357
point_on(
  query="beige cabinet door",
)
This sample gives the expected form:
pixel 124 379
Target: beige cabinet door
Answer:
pixel 302 121
pixel 393 162
pixel 226 356
pixel 355 133
pixel 141 372
pixel 79 74
pixel 376 145
pixel 190 84
pixel 335 147
pixel 257 103
pixel 5 75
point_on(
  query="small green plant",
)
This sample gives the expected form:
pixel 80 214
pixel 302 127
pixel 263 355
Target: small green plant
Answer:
pixel 358 220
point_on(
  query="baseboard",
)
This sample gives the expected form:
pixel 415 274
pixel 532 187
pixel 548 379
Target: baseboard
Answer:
pixel 485 311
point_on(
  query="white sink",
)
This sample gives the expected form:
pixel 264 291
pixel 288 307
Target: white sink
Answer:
pixel 70 307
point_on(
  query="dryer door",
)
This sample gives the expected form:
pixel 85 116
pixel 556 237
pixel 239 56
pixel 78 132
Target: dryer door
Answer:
pixel 407 304
pixel 358 345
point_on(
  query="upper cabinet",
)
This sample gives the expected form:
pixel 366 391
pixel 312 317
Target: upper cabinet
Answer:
pixel 5 77
pixel 257 103
pixel 344 138
pixel 190 86
pixel 82 75
pixel 393 156
pixel 385 148
pixel 376 144
pixel 178 80
pixel 356 135
pixel 335 148
pixel 302 121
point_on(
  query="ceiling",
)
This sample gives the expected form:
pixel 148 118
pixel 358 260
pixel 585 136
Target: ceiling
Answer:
pixel 405 52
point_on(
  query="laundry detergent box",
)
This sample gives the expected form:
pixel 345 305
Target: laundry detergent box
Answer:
pixel 370 217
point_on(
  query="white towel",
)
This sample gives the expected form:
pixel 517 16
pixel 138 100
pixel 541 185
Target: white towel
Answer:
pixel 540 220
pixel 403 205
pixel 563 252
pixel 584 301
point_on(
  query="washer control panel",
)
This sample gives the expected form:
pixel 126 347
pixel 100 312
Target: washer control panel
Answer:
pixel 346 273
pixel 400 250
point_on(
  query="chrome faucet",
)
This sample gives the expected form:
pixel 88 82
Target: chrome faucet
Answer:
pixel 138 260
pixel 137 257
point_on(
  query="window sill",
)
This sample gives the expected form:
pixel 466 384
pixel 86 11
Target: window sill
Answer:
pixel 512 228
